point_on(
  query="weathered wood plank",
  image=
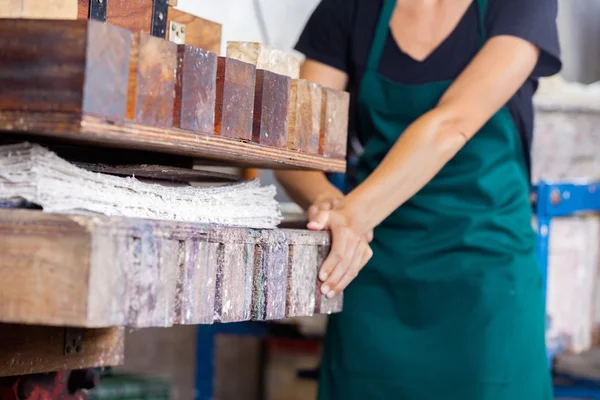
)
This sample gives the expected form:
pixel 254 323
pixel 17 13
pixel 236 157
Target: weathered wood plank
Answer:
pixel 235 99
pixel 27 349
pixel 128 135
pixel 334 123
pixel 195 90
pixel 304 116
pixel 265 57
pixel 324 305
pixel 151 93
pixel 271 99
pixel 135 15
pixel 184 28
pixel 99 272
pixel 71 66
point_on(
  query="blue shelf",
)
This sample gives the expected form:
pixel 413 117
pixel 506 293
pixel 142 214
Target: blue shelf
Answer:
pixel 561 200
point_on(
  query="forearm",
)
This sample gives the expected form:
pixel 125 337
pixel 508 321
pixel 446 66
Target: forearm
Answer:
pixel 304 187
pixel 417 156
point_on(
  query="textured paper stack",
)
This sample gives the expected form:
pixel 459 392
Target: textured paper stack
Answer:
pixel 35 174
pixel 573 266
pixel 566 145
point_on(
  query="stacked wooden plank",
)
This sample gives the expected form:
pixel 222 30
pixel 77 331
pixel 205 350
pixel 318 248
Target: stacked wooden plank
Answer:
pixel 95 272
pixel 100 83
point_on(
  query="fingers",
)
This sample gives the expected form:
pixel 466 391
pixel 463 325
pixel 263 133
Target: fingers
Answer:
pixel 324 205
pixel 369 236
pixel 343 249
pixel 319 222
pixel 360 259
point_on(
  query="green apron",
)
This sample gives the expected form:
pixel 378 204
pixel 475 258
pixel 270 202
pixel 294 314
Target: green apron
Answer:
pixel 451 304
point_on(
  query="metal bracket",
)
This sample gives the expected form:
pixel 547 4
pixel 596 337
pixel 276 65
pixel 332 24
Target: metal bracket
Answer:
pixel 177 32
pixel 98 10
pixel 160 9
pixel 73 339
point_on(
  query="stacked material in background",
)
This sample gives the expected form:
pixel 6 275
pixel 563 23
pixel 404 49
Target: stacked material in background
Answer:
pixel 32 173
pixel 566 149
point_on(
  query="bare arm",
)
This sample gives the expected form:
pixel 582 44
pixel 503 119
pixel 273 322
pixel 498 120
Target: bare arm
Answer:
pixel 307 187
pixel 491 79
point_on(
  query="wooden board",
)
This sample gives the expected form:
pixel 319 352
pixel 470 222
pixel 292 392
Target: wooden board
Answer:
pixel 107 75
pixel 195 90
pixel 92 77
pixel 27 349
pixel 135 15
pixel 197 32
pixel 334 123
pixel 99 272
pixel 265 57
pixel 39 9
pixel 304 116
pixel 128 135
pixel 152 70
pixel 235 99
pixel 271 99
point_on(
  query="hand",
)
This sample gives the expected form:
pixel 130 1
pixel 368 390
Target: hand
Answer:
pixel 330 202
pixel 324 202
pixel 350 250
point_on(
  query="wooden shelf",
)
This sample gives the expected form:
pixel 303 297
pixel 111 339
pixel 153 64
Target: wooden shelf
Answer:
pixel 99 272
pixel 127 135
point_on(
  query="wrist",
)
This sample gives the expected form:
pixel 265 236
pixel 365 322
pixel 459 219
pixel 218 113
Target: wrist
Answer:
pixel 356 215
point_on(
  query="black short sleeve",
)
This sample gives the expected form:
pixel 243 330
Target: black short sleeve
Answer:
pixel 326 36
pixel 532 20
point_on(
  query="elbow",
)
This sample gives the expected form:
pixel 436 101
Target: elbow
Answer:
pixel 450 133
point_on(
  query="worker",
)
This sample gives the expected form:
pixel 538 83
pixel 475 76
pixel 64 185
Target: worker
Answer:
pixel 449 304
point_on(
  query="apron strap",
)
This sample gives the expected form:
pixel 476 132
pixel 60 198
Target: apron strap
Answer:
pixel 383 27
pixel 481 12
pixel 381 33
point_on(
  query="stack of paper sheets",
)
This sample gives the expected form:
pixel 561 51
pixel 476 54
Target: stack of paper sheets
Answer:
pixel 32 173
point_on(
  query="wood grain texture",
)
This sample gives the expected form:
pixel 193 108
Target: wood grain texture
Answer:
pixel 270 276
pixel 98 272
pixel 271 103
pixel 265 57
pixel 107 71
pixel 334 123
pixel 27 349
pixel 71 66
pixel 135 15
pixel 128 135
pixel 235 99
pixel 324 305
pixel 32 292
pixel 195 90
pixel 37 52
pixel 39 9
pixel 304 124
pixel 199 32
pixel 151 92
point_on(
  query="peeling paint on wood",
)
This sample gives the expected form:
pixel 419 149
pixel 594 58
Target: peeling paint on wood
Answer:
pixel 101 272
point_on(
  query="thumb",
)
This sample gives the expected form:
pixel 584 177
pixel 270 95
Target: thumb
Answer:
pixel 319 221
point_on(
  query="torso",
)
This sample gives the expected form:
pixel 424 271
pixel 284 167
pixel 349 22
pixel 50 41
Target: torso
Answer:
pixel 439 56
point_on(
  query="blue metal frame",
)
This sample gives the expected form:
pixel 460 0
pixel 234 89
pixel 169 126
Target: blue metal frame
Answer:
pixel 560 200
